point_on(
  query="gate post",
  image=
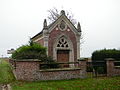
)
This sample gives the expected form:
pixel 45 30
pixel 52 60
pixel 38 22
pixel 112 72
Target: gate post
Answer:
pixel 82 65
pixel 110 66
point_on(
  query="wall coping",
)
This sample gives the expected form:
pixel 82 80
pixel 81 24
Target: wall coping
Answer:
pixel 109 59
pixel 59 69
pixel 26 60
pixel 82 60
pixel 117 66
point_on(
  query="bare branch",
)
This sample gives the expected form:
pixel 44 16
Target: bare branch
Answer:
pixel 55 13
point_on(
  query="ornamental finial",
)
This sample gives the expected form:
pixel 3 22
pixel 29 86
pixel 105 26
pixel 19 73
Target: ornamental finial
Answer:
pixel 62 12
pixel 78 27
pixel 45 23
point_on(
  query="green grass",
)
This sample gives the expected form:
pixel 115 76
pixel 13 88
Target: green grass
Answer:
pixel 102 83
pixel 6 75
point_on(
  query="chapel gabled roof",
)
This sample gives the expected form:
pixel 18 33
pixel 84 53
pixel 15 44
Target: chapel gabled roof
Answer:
pixel 50 25
pixel 37 34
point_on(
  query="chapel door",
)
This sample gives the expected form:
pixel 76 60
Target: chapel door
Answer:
pixel 63 56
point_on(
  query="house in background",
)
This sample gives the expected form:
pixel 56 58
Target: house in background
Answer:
pixel 61 38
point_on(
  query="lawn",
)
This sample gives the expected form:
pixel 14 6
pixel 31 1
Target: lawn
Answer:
pixel 101 83
pixel 6 75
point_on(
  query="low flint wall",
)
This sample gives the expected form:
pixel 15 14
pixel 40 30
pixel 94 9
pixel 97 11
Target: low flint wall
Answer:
pixel 30 71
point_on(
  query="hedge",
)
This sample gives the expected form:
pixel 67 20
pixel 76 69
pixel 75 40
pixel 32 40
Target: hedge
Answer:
pixel 101 55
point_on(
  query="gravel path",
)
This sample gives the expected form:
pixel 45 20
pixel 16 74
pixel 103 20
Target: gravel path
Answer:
pixel 0 87
pixel 5 87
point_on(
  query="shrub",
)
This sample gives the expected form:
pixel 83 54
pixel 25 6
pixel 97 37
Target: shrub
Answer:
pixel 48 62
pixel 34 51
pixel 101 70
pixel 30 51
pixel 89 69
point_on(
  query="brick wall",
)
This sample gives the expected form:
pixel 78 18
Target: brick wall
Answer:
pixel 26 70
pixel 29 71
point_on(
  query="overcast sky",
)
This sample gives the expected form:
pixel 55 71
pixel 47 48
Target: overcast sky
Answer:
pixel 22 19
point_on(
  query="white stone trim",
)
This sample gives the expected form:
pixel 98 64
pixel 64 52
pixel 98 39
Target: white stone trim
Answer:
pixel 78 46
pixel 46 38
pixel 71 52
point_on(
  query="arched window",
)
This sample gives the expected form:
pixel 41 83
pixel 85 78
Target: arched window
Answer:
pixel 62 43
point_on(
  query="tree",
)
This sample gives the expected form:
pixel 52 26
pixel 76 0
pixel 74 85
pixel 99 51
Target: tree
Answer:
pixel 55 13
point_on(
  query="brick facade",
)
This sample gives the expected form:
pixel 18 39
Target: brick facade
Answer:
pixel 41 41
pixel 55 33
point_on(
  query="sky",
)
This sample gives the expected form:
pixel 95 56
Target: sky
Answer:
pixel 22 19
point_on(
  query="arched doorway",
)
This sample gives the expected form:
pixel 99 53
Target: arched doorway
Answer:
pixel 63 49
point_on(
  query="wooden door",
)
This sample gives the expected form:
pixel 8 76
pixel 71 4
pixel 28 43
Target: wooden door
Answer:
pixel 63 55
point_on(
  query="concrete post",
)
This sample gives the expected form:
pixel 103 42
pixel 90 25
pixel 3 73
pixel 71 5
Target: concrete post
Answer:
pixel 110 66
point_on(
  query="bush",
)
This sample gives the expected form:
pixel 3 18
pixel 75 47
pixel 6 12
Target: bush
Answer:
pixel 35 51
pixel 100 70
pixel 89 69
pixel 48 62
pixel 30 51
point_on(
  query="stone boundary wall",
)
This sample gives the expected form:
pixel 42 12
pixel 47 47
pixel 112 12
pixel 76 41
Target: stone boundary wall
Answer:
pixel 111 69
pixel 30 71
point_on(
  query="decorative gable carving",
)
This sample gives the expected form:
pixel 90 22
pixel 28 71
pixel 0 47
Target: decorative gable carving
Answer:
pixel 62 25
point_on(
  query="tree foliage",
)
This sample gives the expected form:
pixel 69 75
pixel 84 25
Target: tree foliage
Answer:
pixel 55 13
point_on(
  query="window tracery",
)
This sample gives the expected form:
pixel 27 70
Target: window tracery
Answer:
pixel 62 43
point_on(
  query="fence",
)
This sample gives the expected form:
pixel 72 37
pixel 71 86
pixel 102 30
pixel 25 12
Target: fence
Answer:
pixel 117 64
pixel 97 68
pixel 108 67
